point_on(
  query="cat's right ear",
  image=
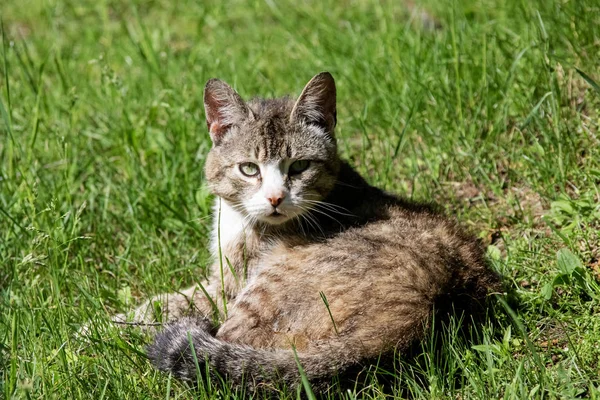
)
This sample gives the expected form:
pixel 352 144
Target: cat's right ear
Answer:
pixel 224 108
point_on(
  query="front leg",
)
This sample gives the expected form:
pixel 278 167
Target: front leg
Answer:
pixel 201 300
pixel 167 307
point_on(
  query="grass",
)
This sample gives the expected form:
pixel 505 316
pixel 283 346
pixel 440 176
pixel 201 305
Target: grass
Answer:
pixel 494 115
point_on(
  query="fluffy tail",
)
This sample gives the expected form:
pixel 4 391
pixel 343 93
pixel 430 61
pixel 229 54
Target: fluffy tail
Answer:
pixel 243 365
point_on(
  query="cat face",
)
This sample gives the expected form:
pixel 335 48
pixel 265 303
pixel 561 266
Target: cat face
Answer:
pixel 272 160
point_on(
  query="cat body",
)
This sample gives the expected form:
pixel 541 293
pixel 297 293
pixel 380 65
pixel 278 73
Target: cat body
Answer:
pixel 308 256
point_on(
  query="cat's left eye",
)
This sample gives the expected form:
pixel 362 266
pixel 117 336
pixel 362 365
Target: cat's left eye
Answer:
pixel 299 166
pixel 249 169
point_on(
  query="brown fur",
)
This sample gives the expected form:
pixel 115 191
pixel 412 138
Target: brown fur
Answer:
pixel 382 263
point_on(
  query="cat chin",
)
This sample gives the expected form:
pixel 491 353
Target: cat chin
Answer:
pixel 274 220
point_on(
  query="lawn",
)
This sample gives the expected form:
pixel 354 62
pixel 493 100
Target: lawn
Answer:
pixel 489 108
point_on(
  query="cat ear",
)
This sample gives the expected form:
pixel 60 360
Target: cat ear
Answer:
pixel 316 104
pixel 224 108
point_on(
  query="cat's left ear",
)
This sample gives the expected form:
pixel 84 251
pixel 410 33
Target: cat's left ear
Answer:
pixel 316 104
pixel 224 108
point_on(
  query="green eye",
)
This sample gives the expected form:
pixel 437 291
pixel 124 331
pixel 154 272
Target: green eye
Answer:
pixel 299 166
pixel 249 169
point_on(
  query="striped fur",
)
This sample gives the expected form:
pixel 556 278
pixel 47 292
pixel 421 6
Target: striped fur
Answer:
pixel 382 264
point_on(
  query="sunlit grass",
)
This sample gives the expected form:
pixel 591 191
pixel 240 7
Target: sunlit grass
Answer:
pixel 493 115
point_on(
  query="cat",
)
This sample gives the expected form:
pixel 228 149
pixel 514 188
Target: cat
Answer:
pixel 312 264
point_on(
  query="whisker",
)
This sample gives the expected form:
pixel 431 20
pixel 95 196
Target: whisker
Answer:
pixel 327 215
pixel 328 207
pixel 299 221
pixel 333 205
pixel 310 219
pixel 337 182
pixel 310 222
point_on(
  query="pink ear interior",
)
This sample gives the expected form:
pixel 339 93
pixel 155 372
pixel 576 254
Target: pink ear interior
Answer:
pixel 214 117
pixel 224 108
pixel 215 129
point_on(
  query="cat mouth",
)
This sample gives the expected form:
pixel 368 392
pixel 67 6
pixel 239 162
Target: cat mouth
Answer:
pixel 276 218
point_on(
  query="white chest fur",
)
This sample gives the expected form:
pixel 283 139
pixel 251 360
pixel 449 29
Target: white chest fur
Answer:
pixel 228 229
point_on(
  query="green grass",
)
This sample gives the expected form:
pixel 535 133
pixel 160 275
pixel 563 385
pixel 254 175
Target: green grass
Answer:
pixel 102 141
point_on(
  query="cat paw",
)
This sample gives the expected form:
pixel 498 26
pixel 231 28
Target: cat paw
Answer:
pixel 150 314
pixel 138 318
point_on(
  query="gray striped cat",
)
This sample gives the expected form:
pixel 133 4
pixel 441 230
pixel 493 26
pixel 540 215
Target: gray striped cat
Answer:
pixel 308 256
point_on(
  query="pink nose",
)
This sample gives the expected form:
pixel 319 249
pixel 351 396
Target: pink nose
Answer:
pixel 276 199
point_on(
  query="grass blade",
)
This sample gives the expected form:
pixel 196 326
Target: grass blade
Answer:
pixel 589 80
pixel 5 60
pixel 324 298
pixel 305 383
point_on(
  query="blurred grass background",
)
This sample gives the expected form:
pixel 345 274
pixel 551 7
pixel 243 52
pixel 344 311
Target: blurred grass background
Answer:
pixel 489 108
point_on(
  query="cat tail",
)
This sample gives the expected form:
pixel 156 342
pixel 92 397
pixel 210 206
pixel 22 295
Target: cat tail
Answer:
pixel 244 366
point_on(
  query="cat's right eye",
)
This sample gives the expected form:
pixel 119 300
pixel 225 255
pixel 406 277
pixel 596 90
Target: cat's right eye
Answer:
pixel 249 169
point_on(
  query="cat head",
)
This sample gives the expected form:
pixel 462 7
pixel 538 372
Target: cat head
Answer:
pixel 272 160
